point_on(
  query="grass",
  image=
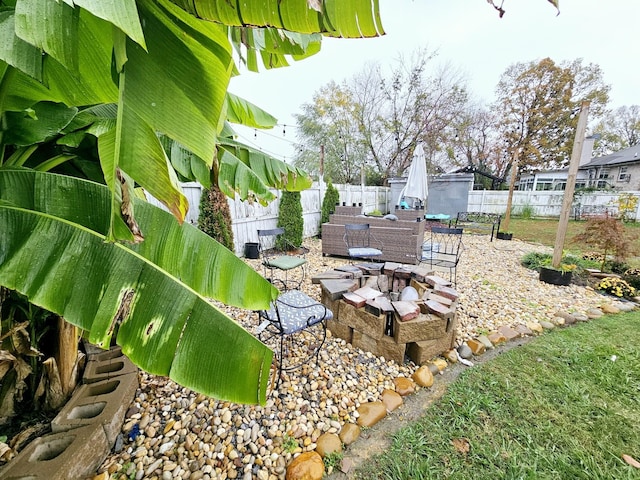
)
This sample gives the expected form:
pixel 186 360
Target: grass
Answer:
pixel 543 230
pixel 564 406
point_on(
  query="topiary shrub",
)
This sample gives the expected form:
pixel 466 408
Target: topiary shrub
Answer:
pixel 215 216
pixel 290 218
pixel 331 198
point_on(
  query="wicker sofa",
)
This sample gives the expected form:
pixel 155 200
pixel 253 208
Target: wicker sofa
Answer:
pixel 402 239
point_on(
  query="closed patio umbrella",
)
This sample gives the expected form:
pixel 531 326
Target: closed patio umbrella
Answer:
pixel 415 191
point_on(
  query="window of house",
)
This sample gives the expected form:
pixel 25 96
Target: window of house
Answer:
pixel 623 174
pixel 544 184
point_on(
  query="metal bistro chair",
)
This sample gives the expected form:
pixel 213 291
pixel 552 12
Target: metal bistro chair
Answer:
pixel 295 327
pixel 444 249
pixel 277 255
pixel 361 243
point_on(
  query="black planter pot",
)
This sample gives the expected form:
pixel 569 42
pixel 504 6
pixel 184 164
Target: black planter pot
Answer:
pixel 504 236
pixel 555 277
pixel 251 250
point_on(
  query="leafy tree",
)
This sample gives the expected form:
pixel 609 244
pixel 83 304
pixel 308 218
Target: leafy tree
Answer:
pixel 619 129
pixel 608 234
pixel 536 106
pixel 215 217
pixel 329 123
pixel 56 226
pixel 290 218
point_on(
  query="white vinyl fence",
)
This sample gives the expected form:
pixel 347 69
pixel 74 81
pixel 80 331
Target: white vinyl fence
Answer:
pixel 248 217
pixel 546 203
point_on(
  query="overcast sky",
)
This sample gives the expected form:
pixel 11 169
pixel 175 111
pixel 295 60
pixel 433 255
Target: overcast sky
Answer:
pixel 468 35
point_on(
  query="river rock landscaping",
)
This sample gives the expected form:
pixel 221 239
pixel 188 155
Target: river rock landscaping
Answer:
pixel 171 432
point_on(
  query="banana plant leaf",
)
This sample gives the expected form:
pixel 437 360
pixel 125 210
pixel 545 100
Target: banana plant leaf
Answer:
pixel 352 19
pixel 152 298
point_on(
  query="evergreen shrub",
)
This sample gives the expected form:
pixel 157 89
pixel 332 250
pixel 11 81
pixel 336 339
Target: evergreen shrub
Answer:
pixel 290 218
pixel 215 217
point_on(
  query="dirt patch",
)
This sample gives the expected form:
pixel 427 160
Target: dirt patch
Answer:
pixel 377 439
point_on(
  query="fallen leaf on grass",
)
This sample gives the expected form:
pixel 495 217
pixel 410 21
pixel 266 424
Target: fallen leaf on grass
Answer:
pixel 631 461
pixel 461 445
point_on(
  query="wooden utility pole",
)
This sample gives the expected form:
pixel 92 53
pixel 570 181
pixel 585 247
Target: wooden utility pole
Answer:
pixel 576 154
pixel 512 184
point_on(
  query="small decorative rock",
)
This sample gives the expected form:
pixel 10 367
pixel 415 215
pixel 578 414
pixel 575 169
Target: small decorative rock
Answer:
pixel 608 308
pixel 328 443
pixel 476 347
pixel 535 327
pixel 547 325
pixel 465 352
pixel 423 376
pixel 371 413
pixel 391 399
pixel 558 321
pixel 508 332
pixel 441 363
pixel 306 466
pixel 483 339
pixel 404 386
pixel 451 356
pixel 496 338
pixel 349 433
pixel 594 313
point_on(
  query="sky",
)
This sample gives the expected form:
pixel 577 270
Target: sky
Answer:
pixel 469 36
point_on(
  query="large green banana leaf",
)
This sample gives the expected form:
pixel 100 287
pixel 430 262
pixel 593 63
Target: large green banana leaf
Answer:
pixel 351 19
pixel 152 296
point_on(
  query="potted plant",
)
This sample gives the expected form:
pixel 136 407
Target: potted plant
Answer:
pixel 504 235
pixel 560 275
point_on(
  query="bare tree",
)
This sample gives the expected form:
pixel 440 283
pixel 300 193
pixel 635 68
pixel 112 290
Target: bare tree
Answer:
pixel 619 129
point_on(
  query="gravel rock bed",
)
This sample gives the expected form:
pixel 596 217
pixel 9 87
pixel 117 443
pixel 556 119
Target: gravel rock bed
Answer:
pixel 186 435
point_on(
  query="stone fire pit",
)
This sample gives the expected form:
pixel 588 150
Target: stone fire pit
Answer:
pixel 374 309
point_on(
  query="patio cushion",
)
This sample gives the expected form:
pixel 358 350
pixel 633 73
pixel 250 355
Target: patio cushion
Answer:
pixel 364 252
pixel 285 262
pixel 297 311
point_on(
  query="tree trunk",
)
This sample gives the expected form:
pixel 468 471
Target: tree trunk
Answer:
pixel 66 355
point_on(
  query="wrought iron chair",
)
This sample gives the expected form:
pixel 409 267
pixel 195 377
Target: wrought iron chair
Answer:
pixel 361 243
pixel 278 255
pixel 443 250
pixel 295 327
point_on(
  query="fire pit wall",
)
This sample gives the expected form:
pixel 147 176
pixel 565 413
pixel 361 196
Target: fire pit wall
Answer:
pixel 366 314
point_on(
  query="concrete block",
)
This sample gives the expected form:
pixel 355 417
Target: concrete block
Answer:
pixel 107 365
pixel 424 351
pixel 102 403
pixel 390 350
pixel 362 321
pixel 334 289
pixel 75 454
pixel 423 327
pixel 340 330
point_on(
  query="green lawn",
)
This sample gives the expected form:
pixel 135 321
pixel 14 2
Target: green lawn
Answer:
pixel 543 230
pixel 564 406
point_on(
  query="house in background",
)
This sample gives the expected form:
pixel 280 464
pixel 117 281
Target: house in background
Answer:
pixel 617 171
